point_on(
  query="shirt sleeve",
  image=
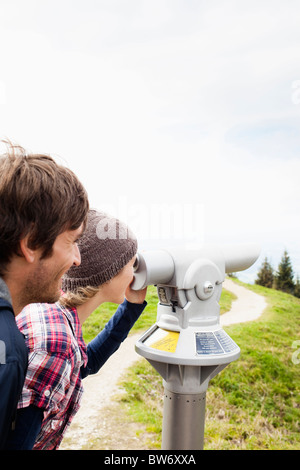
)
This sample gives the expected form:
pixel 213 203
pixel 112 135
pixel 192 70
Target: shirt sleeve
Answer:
pixel 110 338
pixel 47 378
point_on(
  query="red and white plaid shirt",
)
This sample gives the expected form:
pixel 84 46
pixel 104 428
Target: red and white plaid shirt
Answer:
pixel 57 350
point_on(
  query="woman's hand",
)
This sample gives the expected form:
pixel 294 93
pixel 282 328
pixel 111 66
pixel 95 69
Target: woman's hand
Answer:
pixel 135 296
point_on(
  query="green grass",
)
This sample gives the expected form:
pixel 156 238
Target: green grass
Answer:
pixel 259 393
pixel 225 301
pixel 252 404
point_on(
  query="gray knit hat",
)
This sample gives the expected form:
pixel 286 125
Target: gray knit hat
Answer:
pixel 106 246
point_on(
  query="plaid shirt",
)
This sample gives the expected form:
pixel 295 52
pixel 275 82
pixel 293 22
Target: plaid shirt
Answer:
pixel 57 350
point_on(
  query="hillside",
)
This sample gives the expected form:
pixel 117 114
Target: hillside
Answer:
pixel 253 404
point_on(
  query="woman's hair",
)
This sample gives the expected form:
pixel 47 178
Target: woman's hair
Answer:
pixel 39 199
pixel 75 299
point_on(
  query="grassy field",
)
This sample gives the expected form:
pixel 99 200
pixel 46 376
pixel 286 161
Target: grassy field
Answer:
pixel 254 403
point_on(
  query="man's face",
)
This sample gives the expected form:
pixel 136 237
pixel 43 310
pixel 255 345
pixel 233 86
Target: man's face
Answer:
pixel 44 282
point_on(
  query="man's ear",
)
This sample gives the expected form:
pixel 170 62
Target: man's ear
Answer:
pixel 28 253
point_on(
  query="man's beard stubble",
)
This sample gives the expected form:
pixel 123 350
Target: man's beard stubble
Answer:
pixel 43 286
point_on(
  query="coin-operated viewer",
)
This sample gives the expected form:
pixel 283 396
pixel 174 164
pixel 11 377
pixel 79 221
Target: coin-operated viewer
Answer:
pixel 187 345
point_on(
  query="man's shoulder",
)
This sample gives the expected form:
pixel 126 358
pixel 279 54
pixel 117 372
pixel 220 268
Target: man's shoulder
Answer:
pixel 12 344
pixel 5 305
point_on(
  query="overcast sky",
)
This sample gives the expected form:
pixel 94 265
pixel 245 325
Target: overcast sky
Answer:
pixel 180 116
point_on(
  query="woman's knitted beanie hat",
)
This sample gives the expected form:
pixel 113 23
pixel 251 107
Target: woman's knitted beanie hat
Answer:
pixel 106 246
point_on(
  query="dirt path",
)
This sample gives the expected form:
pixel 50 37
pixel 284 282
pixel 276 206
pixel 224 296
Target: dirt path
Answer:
pixel 93 417
pixel 247 307
pixel 98 392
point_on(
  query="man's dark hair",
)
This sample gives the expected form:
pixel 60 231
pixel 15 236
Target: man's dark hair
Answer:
pixel 38 198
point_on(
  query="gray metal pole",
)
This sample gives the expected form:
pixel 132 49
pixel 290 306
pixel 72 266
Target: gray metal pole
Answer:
pixel 183 421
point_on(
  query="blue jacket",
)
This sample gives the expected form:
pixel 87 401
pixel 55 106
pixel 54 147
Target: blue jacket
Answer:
pixel 13 364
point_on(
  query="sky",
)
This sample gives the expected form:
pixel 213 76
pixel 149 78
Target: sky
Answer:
pixel 181 117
